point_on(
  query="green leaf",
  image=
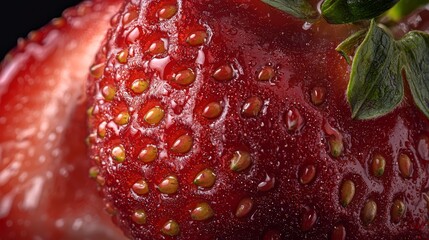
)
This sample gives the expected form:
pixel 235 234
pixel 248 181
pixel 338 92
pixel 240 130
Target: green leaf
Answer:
pixel 348 46
pixel 299 8
pixel 346 11
pixel 415 48
pixel 376 84
pixel 403 8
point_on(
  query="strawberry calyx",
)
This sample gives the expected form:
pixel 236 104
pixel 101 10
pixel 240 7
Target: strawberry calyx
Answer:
pixel 376 85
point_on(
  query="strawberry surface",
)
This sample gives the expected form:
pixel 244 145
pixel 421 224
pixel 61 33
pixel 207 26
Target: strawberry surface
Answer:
pixel 45 192
pixel 229 120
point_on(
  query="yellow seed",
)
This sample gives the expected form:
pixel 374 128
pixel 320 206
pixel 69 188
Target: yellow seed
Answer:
pixel 405 165
pixel 369 211
pixel 139 86
pixel 141 187
pixel 97 70
pixel 183 144
pixel 378 165
pixel 197 38
pixel 206 178
pixel 139 217
pixel 148 154
pixel 171 228
pixel 118 154
pixel 397 211
pixel 108 92
pixel 266 74
pixel 244 207
pixel 240 161
pixel 347 192
pixel 169 185
pixel 212 110
pixel 167 12
pixel 154 115
pixel 122 119
pixel 202 212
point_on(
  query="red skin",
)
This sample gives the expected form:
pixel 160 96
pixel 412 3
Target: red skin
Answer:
pixel 45 191
pixel 250 35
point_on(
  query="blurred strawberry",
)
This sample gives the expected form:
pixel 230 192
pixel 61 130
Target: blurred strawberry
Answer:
pixel 45 192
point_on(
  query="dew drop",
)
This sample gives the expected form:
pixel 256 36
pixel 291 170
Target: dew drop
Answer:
pixel 294 120
pixel 267 184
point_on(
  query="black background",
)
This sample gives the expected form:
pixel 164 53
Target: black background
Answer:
pixel 19 17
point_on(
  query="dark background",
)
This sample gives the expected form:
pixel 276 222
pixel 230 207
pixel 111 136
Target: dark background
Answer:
pixel 19 17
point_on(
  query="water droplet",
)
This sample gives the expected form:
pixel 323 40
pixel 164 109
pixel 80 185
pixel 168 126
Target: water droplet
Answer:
pixel 133 35
pixel 267 184
pixel 423 147
pixel 294 120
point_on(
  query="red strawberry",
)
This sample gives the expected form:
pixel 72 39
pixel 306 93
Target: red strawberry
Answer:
pixel 45 192
pixel 228 120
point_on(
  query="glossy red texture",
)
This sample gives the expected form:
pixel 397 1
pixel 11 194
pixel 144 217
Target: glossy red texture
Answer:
pixel 45 191
pixel 257 156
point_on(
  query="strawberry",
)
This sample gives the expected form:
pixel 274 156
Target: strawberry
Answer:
pixel 229 120
pixel 45 192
